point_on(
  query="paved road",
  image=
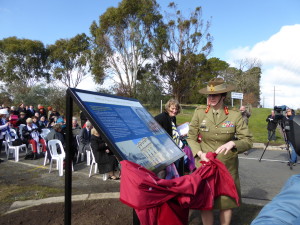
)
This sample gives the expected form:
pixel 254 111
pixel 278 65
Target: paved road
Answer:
pixel 263 180
pixel 260 181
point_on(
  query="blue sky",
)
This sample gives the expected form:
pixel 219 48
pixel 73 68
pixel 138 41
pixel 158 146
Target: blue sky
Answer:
pixel 240 29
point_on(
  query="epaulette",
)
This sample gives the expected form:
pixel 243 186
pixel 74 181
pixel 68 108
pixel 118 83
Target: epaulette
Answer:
pixel 226 110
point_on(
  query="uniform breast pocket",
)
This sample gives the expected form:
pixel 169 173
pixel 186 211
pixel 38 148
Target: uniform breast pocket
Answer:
pixel 228 133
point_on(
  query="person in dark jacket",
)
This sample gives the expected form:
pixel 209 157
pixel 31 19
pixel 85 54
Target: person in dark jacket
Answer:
pixel 83 118
pixel 272 124
pixel 42 111
pixel 22 119
pixel 85 139
pixel 107 162
pixel 167 119
pixel 55 134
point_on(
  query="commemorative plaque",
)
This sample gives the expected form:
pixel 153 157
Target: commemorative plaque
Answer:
pixel 128 129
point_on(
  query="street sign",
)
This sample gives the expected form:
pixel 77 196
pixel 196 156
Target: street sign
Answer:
pixel 237 95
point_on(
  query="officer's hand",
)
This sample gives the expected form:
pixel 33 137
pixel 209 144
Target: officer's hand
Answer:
pixel 202 156
pixel 225 148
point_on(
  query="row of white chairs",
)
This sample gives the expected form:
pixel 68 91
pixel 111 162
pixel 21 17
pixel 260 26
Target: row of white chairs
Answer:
pixel 15 150
pixel 52 146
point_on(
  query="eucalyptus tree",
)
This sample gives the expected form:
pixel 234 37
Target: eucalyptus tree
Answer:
pixel 23 61
pixel 70 59
pixel 183 50
pixel 123 42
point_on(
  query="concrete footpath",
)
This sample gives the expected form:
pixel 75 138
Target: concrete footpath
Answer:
pixel 260 181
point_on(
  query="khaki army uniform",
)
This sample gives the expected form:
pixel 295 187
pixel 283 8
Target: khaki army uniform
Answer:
pixel 213 134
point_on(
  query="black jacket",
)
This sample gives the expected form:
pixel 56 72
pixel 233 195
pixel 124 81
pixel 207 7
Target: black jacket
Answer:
pixel 272 122
pixel 84 139
pixel 166 121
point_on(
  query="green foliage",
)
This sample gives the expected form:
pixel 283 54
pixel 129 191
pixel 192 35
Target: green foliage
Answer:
pixel 149 90
pixel 70 59
pixel 23 60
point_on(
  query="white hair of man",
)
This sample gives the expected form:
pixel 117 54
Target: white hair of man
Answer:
pixel 88 124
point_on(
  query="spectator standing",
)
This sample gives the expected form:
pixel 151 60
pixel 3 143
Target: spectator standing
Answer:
pixel 167 120
pixel 21 108
pixel 30 111
pixel 107 162
pixel 290 113
pixel 75 127
pixel 49 112
pixel 42 111
pixel 83 119
pixel 272 125
pixel 85 138
pixel 245 115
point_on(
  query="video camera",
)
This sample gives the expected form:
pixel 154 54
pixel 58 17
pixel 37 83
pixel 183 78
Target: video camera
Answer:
pixel 280 111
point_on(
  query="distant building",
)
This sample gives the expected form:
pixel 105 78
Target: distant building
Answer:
pixel 148 149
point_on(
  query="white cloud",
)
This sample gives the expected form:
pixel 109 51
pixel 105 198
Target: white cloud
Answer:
pixel 279 56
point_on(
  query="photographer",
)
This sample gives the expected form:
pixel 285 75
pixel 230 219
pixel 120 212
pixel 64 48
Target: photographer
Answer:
pixel 272 124
pixel 290 113
pixel 31 134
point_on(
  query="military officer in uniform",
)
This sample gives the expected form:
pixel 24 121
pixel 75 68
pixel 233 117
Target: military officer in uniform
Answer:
pixel 215 128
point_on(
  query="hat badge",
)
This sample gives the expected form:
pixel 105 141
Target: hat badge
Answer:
pixel 211 88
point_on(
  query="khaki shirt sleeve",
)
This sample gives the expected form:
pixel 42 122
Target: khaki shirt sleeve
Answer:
pixel 244 137
pixel 192 138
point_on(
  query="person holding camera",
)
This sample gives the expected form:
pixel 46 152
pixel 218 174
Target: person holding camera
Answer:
pixel 290 113
pixel 31 134
pixel 272 124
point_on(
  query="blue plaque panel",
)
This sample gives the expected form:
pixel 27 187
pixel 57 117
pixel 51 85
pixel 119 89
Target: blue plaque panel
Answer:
pixel 128 128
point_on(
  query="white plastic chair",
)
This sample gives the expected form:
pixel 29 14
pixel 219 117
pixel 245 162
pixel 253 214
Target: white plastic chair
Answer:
pixel 52 145
pixel 93 163
pixel 45 132
pixel 15 150
pixel 104 176
pixel 20 130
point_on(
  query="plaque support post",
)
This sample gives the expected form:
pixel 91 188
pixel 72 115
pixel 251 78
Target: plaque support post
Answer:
pixel 68 165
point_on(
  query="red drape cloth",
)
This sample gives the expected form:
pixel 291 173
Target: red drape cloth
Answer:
pixel 162 202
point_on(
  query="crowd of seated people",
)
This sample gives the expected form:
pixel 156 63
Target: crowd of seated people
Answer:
pixel 29 122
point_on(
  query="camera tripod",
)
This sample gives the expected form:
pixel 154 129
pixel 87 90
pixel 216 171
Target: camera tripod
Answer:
pixel 287 145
